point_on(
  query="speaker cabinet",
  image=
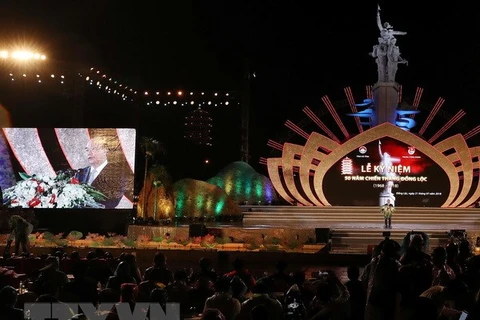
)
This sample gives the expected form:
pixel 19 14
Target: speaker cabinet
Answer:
pixel 197 230
pixel 322 235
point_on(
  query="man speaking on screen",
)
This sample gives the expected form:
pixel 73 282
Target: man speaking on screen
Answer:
pixel 103 174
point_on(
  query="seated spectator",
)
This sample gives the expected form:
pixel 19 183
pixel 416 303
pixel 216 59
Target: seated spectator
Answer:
pixel 160 262
pixel 51 280
pixel 222 300
pixel 358 296
pixel 212 314
pixel 132 261
pixel 260 312
pixel 238 289
pixel 146 287
pixel 122 275
pixel 261 296
pixel 205 271
pixel 281 281
pixel 8 299
pixel 438 295
pixel 240 271
pixel 200 293
pixel 442 274
pixel 178 291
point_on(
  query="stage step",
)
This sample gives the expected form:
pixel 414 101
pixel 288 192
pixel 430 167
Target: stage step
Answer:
pixel 358 241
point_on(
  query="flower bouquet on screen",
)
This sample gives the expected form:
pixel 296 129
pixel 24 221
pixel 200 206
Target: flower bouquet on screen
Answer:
pixel 61 191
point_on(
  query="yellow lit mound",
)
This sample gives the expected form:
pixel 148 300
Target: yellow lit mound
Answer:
pixel 244 185
pixel 194 198
pixel 160 201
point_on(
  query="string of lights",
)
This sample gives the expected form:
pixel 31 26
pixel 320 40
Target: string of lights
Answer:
pixel 110 85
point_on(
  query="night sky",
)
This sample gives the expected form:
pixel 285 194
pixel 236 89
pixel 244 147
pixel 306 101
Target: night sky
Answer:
pixel 299 50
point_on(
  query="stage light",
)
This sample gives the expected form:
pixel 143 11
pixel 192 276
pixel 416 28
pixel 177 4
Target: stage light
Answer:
pixel 169 93
pixel 53 76
pixel 179 93
pixel 207 161
pixel 146 93
pixel 227 103
pixel 157 102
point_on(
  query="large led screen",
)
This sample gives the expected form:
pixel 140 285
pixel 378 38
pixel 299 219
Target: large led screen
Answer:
pixel 386 169
pixel 67 168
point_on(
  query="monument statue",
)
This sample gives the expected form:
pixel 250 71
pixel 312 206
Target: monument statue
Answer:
pixel 380 54
pixel 386 30
pixel 386 165
pixel 386 52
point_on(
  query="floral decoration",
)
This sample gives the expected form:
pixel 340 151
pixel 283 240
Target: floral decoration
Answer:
pixel 61 191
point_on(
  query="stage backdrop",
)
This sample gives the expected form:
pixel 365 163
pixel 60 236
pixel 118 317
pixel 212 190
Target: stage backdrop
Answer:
pixel 70 168
pixel 386 166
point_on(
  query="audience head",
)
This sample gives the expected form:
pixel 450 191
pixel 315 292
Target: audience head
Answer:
pixel 437 295
pixel 180 275
pixel 128 292
pixel 90 255
pixel 416 242
pixel 107 295
pixel 212 314
pixel 389 250
pixel 204 263
pixel 160 260
pixel 52 264
pixel 75 255
pixel 353 272
pixel 159 295
pixel 47 298
pixel 123 269
pixel 99 253
pixel 8 296
pixel 425 309
pixel 238 264
pixel 439 256
pixel 238 287
pixel 282 266
pixel 261 287
pixel 222 285
pixel 259 312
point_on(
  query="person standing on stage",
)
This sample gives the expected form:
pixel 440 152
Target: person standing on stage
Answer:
pixel 387 209
pixel 21 229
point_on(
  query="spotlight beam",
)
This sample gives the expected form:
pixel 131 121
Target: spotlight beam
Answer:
pixel 447 126
pixel 369 90
pixel 400 89
pixel 333 112
pixel 274 145
pixel 416 100
pixel 432 114
pixel 292 126
pixel 319 123
pixel 472 132
pixel 353 107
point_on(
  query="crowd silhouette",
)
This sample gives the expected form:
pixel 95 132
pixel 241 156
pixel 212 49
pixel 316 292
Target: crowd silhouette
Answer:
pixel 406 285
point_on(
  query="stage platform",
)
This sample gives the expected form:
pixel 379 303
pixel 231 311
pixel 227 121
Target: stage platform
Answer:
pixel 355 228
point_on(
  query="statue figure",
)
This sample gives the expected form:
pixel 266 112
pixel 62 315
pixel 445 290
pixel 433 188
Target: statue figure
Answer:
pixel 386 30
pixel 386 165
pixel 394 59
pixel 380 54
pixel 386 52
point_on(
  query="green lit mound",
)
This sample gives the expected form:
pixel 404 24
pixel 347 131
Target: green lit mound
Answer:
pixel 244 185
pixel 195 198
